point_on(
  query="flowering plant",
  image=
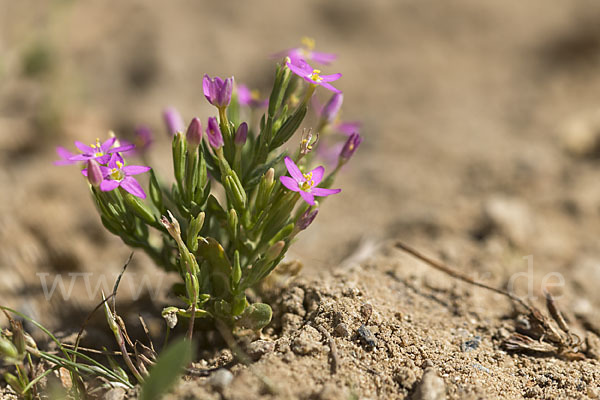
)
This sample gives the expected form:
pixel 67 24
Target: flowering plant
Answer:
pixel 222 242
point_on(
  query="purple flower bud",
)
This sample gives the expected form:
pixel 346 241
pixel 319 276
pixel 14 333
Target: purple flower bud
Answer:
pixel 215 138
pixel 332 108
pixel 350 147
pixel 94 174
pixel 306 219
pixel 173 120
pixel 242 134
pixel 217 91
pixel 194 133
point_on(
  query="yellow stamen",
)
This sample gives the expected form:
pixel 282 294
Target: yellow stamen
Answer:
pixel 308 43
pixel 315 75
pixel 255 94
pixel 308 183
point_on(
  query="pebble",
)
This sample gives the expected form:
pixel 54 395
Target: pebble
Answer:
pixel 512 217
pixel 309 341
pixel 431 387
pixel 405 377
pixel 290 323
pixel 220 379
pixel 342 330
pixel 581 135
pixel 366 310
pixel 471 344
pixel 259 348
pixel 293 301
pixel 366 336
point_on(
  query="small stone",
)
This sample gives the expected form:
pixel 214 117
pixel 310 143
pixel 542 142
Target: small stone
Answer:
pixel 290 323
pixel 366 310
pixel 293 301
pixel 431 387
pixel 259 348
pixel 220 379
pixel 342 330
pixel 309 341
pixel 114 394
pixel 581 135
pixel 593 392
pixel 511 217
pixel 405 377
pixel 366 336
pixel 471 344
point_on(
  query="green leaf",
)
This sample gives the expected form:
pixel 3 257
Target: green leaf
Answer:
pixel 256 316
pixel 167 370
pixel 220 267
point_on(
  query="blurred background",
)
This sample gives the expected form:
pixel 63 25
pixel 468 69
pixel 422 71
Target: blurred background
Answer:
pixel 481 122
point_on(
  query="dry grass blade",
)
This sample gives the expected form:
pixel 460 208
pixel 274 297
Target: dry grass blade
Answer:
pixel 540 334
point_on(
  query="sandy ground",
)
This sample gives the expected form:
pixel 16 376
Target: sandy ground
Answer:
pixel 481 123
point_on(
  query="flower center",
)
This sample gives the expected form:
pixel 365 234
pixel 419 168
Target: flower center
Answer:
pixel 97 147
pixel 308 183
pixel 116 174
pixel 315 75
pixel 255 94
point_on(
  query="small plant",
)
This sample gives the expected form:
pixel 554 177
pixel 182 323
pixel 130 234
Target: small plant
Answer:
pixel 232 211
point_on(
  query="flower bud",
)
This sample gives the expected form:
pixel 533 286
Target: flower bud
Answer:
pixel 350 147
pixel 194 133
pixel 94 174
pixel 173 120
pixel 8 349
pixel 172 226
pixel 306 219
pixel 331 109
pixel 241 135
pixel 270 176
pixel 215 138
pixel 217 91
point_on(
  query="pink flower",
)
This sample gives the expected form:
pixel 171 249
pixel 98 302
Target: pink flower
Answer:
pixel 313 76
pixel 100 152
pixel 307 53
pixel 250 98
pixel 117 174
pixel 305 184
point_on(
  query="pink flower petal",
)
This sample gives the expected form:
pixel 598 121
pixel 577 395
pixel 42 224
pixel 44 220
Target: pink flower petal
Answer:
pixel 293 170
pixel 308 197
pixel 322 58
pixel 317 174
pixel 328 86
pixel 112 163
pixel 108 185
pixel 135 169
pixel 324 192
pixel 108 144
pixel 298 70
pixel 289 183
pixel 80 157
pixel 124 148
pixel 330 78
pixel 84 148
pixel 133 187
